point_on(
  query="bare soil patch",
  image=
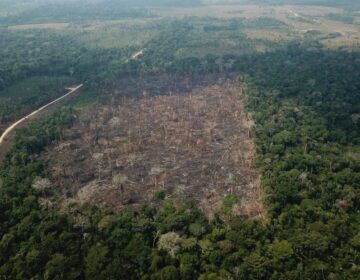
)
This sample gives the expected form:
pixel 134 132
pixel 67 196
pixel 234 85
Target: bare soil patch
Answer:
pixel 194 145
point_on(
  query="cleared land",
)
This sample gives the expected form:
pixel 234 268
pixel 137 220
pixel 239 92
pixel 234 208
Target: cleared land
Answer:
pixel 195 145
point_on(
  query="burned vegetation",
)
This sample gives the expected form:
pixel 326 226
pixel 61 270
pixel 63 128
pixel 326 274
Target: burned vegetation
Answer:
pixel 194 143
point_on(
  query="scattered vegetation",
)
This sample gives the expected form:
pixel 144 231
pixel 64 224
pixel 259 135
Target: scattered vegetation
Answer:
pixel 192 144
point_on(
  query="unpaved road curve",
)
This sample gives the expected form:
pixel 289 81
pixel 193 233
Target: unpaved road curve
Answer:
pixel 14 125
pixel 137 54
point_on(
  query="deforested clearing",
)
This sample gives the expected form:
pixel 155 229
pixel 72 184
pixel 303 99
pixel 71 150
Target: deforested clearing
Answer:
pixel 191 145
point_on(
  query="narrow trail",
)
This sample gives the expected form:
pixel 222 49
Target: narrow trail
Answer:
pixel 14 125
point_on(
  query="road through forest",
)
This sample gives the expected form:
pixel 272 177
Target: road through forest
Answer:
pixel 14 125
pixel 7 131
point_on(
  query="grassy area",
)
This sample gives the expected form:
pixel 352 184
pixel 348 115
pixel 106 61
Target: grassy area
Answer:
pixel 118 34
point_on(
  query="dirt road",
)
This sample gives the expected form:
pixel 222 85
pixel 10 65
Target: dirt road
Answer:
pixel 137 54
pixel 14 125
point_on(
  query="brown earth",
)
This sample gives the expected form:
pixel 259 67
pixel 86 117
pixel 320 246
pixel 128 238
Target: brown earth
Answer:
pixel 195 145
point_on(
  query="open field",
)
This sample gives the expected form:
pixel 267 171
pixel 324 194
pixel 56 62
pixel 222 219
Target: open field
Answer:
pixel 299 20
pixel 248 11
pixel 252 20
pixel 193 145
pixel 54 26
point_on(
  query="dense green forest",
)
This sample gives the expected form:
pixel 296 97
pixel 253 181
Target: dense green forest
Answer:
pixel 303 96
pixel 307 138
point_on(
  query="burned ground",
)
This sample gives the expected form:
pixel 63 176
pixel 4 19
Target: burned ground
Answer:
pixel 195 144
